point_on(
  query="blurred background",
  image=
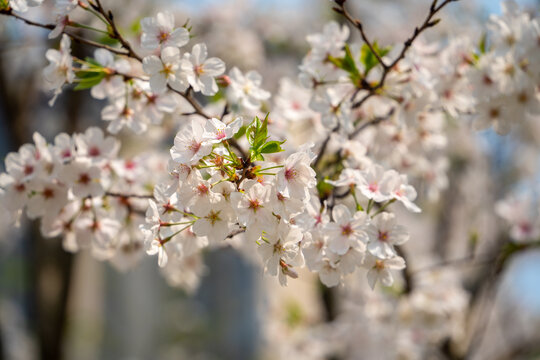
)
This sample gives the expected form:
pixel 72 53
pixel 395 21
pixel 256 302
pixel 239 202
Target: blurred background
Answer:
pixel 55 305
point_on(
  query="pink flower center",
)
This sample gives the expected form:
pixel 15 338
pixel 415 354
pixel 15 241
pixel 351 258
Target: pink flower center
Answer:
pixel 66 153
pixel 94 151
pixel 198 69
pixel 290 174
pixel 383 236
pixel 168 208
pixel 194 147
pixel 130 164
pixel 220 134
pixel 202 189
pixel 346 230
pixel 163 36
pixel 373 187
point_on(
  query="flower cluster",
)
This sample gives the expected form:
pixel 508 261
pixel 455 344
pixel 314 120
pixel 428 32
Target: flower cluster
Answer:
pixel 505 73
pixel 378 116
pixel 73 186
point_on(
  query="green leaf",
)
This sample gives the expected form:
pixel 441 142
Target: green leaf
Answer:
pixel 482 44
pixel 217 97
pixel 368 58
pixel 4 4
pixel 89 82
pixel 241 132
pixel 254 156
pixel 257 136
pixel 347 64
pixel 272 147
pixel 93 62
pixel 324 189
pixel 107 40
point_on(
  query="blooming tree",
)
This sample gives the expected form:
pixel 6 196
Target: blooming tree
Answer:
pixel 240 174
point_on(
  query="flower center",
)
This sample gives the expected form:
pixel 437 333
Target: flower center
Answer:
pixel 213 217
pixel 346 230
pixel 28 169
pixel 199 70
pixel 194 147
pixel 163 36
pixel 48 193
pixel 202 189
pixel 379 264
pixel 94 151
pixel 290 174
pixel 383 236
pixel 84 178
pixel 373 187
pixel 220 134
pixel 254 205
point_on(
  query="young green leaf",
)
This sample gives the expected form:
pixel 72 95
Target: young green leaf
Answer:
pixel 272 147
pixel 368 58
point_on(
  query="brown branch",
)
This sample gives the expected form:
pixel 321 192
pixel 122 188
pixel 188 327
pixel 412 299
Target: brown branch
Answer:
pixel 358 24
pixel 323 147
pixel 72 36
pixel 407 275
pixel 137 196
pixel 372 90
pixel 475 259
pixel 114 32
pixel 372 122
pixel 428 22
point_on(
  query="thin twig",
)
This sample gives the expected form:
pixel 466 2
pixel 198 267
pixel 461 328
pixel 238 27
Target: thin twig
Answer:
pixel 407 275
pixel 358 24
pixel 137 196
pixel 73 36
pixel 475 259
pixel 372 90
pixel 428 22
pixel 108 15
pixel 323 147
pixel 375 121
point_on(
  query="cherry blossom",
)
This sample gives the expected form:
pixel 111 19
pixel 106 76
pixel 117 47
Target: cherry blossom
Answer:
pixel 60 69
pixel 200 71
pixel 383 234
pixel 165 70
pixel 347 230
pixel 160 31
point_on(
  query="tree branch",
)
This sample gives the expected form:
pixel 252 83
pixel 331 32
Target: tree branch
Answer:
pixel 72 36
pixel 428 22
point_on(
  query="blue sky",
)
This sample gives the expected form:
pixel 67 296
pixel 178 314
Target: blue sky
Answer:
pixel 492 6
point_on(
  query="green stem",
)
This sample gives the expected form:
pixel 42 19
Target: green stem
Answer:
pixel 272 167
pixel 358 206
pixel 370 205
pixel 98 15
pixel 382 208
pixel 82 26
pixel 167 239
pixel 233 156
